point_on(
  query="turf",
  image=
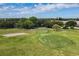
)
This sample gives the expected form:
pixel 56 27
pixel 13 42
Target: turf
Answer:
pixel 40 42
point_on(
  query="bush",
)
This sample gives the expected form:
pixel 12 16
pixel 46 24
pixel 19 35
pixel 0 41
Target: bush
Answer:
pixel 60 23
pixel 65 27
pixel 48 23
pixel 27 24
pixel 71 24
pixel 56 27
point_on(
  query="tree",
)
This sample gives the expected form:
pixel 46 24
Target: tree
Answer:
pixel 58 22
pixel 33 19
pixel 27 24
pixel 7 24
pixel 48 23
pixel 40 23
pixel 71 24
pixel 20 23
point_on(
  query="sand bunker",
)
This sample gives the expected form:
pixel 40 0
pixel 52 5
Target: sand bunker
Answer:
pixel 13 34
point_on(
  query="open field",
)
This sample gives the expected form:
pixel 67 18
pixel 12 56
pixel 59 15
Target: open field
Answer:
pixel 41 41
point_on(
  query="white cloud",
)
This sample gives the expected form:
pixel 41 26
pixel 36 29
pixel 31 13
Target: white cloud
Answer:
pixel 38 8
pixel 48 7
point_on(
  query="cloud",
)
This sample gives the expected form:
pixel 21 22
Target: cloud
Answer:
pixel 40 7
pixel 37 8
pixel 49 7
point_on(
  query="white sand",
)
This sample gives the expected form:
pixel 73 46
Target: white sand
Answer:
pixel 13 34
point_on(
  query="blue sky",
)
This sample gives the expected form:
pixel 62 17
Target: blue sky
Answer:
pixel 40 10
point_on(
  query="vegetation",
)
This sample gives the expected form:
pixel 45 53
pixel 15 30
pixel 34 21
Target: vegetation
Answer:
pixel 58 22
pixel 43 37
pixel 48 23
pixel 24 24
pixel 56 27
pixel 33 22
pixel 36 42
pixel 71 24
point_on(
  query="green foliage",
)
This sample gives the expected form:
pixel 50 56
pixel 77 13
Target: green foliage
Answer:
pixel 58 22
pixel 7 24
pixel 71 24
pixel 48 23
pixel 33 19
pixel 65 27
pixel 33 22
pixel 25 24
pixel 28 24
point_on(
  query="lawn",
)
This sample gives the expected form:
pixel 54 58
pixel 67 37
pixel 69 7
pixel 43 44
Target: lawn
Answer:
pixel 40 42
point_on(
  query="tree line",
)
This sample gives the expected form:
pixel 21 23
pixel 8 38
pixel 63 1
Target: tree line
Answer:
pixel 33 22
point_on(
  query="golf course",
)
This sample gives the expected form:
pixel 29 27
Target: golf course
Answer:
pixel 39 29
pixel 39 42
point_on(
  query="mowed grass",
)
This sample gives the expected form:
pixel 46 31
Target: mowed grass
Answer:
pixel 40 42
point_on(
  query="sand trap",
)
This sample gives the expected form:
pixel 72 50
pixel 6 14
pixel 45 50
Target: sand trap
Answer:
pixel 13 34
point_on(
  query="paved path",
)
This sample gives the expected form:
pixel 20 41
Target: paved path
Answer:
pixel 13 34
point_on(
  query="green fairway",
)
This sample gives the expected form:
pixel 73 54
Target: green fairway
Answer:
pixel 39 42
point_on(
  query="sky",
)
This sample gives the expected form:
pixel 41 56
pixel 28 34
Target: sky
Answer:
pixel 40 10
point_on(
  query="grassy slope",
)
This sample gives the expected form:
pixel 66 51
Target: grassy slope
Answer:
pixel 40 42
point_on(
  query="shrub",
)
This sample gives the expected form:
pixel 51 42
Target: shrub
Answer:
pixel 60 23
pixel 48 23
pixel 71 24
pixel 27 24
pixel 56 27
pixel 65 27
